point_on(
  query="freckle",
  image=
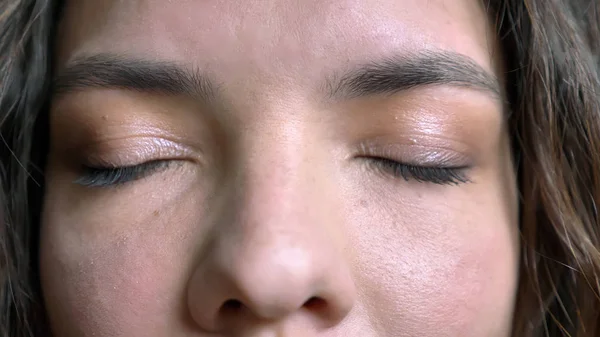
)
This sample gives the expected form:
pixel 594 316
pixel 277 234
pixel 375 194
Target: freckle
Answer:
pixel 155 213
pixel 122 241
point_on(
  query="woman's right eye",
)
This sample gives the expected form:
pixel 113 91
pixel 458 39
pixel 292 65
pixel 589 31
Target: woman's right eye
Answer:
pixel 118 175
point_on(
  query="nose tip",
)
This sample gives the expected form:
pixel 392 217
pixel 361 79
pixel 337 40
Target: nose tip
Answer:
pixel 277 286
pixel 267 287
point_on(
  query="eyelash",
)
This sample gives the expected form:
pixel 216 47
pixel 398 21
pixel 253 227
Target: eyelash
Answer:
pixel 112 176
pixel 422 174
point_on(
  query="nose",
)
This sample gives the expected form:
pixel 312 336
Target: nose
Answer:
pixel 275 251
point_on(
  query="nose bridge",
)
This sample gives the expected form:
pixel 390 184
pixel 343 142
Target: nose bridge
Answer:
pixel 279 174
pixel 280 228
pixel 276 182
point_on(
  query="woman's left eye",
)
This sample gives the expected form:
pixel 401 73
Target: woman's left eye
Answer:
pixel 117 175
pixel 428 174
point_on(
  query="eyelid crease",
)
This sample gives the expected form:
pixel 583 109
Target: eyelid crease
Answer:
pixel 112 154
pixel 415 154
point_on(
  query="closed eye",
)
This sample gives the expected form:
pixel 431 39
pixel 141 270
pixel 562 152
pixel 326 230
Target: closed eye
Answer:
pixel 117 175
pixel 426 174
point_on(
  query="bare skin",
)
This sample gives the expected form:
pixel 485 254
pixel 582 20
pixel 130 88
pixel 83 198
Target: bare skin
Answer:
pixel 290 196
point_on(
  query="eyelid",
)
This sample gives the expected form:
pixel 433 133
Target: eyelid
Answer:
pixel 415 154
pixel 134 151
pixel 421 174
pixel 115 176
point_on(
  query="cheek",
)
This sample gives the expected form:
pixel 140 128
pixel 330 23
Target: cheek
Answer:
pixel 86 288
pixel 103 278
pixel 443 265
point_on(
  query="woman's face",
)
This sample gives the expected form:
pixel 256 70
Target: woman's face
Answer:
pixel 279 168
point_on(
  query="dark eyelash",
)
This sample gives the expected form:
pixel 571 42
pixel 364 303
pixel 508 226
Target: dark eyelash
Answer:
pixel 109 176
pixel 435 175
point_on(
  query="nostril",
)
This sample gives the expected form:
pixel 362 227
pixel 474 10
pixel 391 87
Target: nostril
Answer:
pixel 321 307
pixel 231 305
pixel 315 304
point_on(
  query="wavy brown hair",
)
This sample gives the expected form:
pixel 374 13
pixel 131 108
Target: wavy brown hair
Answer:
pixel 552 54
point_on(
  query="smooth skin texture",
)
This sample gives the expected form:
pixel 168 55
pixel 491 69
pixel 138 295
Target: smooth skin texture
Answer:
pixel 277 207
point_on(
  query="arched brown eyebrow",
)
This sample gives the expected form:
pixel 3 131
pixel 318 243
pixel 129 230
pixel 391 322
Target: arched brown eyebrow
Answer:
pixel 387 76
pixel 106 71
pixel 405 72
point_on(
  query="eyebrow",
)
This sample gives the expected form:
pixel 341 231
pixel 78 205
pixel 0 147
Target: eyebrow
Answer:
pixel 107 71
pixel 405 72
pixel 387 76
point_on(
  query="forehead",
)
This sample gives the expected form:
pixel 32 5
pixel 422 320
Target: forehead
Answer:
pixel 272 37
